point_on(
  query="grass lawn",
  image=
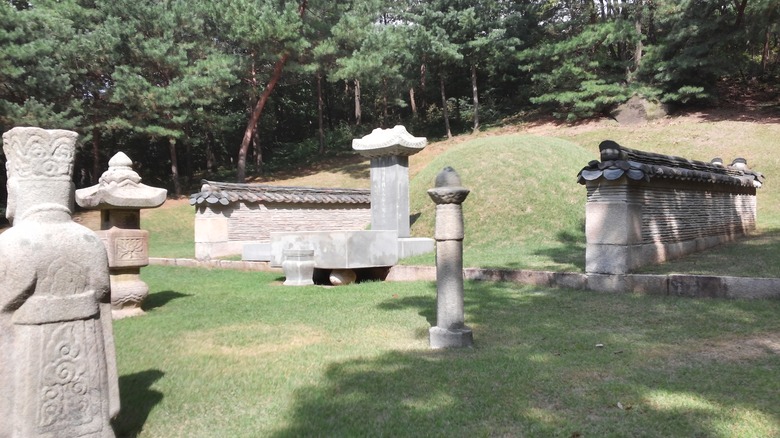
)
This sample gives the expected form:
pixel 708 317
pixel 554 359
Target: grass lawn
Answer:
pixel 235 354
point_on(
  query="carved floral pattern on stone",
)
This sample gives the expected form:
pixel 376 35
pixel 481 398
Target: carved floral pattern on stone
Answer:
pixel 130 249
pixel 67 401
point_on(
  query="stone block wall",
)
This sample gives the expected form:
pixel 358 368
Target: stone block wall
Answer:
pixel 229 216
pixel 645 208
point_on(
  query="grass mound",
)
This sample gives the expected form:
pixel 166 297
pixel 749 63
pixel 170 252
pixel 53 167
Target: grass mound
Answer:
pixel 525 209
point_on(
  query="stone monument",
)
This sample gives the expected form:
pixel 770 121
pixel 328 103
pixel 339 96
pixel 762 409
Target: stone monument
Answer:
pixel 389 151
pixel 450 329
pixel 58 373
pixel 119 196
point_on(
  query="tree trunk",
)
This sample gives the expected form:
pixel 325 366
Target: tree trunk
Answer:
pixel 424 102
pixel 95 155
pixel 210 159
pixel 357 103
pixel 412 103
pixel 444 107
pixel 258 109
pixel 189 173
pixel 320 121
pixel 174 167
pixel 475 94
pixel 740 12
pixel 637 49
pixel 255 117
pixel 258 148
pixel 765 51
pixel 384 103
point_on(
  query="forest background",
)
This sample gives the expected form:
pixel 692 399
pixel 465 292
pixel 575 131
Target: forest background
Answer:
pixel 228 89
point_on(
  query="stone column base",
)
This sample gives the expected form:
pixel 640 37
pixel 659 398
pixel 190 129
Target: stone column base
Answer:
pixel 128 292
pixel 450 338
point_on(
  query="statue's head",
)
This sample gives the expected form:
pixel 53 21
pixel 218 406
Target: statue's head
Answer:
pixel 39 165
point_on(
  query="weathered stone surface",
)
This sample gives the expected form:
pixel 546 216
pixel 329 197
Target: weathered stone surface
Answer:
pixel 638 110
pixel 340 277
pixel 667 208
pixel 389 150
pixel 256 252
pixel 340 249
pixel 119 196
pixel 450 329
pixel 390 194
pixel 120 187
pixel 58 373
pixel 298 266
pixel 388 142
pixel 411 246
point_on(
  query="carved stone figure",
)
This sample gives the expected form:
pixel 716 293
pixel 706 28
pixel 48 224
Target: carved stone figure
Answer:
pixel 58 373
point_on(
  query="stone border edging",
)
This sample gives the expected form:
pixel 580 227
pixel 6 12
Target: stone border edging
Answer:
pixel 238 265
pixel 683 285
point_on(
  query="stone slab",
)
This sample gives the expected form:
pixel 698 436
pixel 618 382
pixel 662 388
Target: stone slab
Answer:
pixel 613 223
pixel 256 252
pixel 412 246
pixel 340 249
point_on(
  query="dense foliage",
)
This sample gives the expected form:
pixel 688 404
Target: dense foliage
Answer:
pixel 203 87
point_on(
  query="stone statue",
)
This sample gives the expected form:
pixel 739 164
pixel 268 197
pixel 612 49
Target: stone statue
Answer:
pixel 58 373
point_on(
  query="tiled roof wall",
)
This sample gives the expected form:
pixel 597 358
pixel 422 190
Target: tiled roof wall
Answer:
pixel 226 193
pixel 618 161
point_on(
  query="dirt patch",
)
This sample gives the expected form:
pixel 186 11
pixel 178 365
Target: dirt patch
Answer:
pixel 250 340
pixel 730 350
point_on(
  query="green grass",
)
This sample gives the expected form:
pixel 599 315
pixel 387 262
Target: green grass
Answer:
pixel 525 209
pixel 235 354
pixel 171 230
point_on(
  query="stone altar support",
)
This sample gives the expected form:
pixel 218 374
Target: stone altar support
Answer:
pixel 58 373
pixel 450 329
pixel 119 196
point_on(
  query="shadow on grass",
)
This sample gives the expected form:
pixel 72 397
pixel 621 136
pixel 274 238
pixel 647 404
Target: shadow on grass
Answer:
pixel 535 370
pixel 753 256
pixel 159 299
pixel 571 250
pixel 426 305
pixel 137 401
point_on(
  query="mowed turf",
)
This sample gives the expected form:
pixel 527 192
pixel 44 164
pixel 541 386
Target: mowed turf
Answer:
pixel 236 354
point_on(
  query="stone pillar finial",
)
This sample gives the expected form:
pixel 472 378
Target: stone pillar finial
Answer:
pixel 450 329
pixel 119 196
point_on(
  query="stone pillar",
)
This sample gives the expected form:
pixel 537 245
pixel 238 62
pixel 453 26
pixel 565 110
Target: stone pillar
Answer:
pixel 119 196
pixel 613 229
pixel 450 329
pixel 389 151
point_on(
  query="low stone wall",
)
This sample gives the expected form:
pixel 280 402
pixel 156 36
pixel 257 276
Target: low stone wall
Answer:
pixel 228 216
pixel 681 285
pixel 646 208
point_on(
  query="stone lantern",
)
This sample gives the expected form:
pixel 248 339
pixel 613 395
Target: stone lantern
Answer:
pixel 119 196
